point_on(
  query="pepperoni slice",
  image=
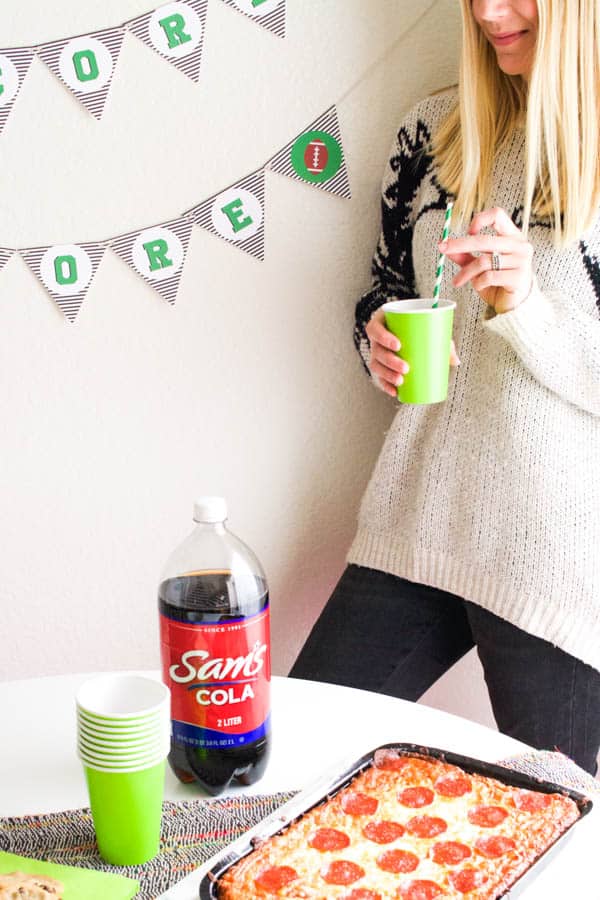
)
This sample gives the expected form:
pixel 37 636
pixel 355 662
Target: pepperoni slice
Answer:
pixel 466 880
pixel 452 785
pixel 362 894
pixel 421 890
pixel 275 877
pixel 383 832
pixel 486 816
pixel 495 845
pixel 426 826
pixel 357 804
pixel 449 853
pixel 416 797
pixel 531 801
pixel 341 871
pixel 328 839
pixel 397 861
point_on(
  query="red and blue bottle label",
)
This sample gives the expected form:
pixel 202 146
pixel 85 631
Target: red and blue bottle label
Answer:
pixel 219 675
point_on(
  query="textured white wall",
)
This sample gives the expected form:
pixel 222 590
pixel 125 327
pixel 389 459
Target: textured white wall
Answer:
pixel 250 385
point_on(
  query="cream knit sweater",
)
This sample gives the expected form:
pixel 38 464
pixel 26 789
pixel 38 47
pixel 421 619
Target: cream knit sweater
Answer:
pixel 493 495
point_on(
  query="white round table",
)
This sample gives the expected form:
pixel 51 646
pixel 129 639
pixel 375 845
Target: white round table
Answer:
pixel 317 728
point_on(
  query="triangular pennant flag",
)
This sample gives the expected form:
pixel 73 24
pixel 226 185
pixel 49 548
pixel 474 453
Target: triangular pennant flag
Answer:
pixel 316 156
pixel 268 13
pixel 157 254
pixel 5 255
pixel 66 271
pixel 86 65
pixel 14 65
pixel 176 32
pixel 236 214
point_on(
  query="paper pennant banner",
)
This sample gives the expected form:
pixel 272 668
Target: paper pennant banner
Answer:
pixel 236 214
pixel 5 255
pixel 85 65
pixel 14 65
pixel 157 254
pixel 66 271
pixel 176 32
pixel 316 156
pixel 268 13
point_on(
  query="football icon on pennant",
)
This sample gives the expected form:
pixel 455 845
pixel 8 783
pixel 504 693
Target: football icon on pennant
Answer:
pixel 316 156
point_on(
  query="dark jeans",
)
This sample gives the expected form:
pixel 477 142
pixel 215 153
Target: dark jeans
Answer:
pixel 385 634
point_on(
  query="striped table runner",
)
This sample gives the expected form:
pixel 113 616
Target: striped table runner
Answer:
pixel 191 832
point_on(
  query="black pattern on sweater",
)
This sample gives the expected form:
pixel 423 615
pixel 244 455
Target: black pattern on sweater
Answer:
pixel 592 267
pixel 392 270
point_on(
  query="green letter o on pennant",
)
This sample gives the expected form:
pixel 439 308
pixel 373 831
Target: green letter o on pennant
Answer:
pixel 316 157
pixel 90 57
pixel 70 275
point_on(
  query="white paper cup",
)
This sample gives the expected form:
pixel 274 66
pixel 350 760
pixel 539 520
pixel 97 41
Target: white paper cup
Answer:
pixel 122 750
pixel 91 737
pixel 118 699
pixel 132 762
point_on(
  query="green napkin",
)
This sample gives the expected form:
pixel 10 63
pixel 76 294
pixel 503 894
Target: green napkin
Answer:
pixel 80 884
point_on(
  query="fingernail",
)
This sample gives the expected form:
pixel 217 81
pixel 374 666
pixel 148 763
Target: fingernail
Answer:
pixel 399 380
pixel 406 368
pixel 442 245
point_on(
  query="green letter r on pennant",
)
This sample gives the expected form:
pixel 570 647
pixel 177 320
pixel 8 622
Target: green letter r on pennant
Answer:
pixel 173 28
pixel 157 255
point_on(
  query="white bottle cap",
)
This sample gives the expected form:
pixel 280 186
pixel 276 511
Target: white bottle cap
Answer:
pixel 210 509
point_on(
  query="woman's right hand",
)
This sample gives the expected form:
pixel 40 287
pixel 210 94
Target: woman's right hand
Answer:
pixel 386 368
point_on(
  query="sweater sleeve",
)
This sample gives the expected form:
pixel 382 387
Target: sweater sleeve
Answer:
pixel 392 271
pixel 558 343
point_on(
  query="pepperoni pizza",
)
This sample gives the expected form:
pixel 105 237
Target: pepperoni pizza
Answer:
pixel 408 828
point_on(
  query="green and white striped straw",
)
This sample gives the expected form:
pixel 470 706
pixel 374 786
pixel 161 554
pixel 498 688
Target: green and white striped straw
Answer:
pixel 442 259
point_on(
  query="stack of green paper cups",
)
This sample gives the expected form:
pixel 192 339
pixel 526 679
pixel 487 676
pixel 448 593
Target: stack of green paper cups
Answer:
pixel 123 740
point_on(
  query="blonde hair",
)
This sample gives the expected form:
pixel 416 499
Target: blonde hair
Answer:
pixel 559 106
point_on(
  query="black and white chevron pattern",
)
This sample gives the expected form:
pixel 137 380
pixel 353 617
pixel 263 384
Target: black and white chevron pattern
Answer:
pixel 123 246
pixel 5 255
pixel 202 214
pixel 21 58
pixel 189 64
pixel 94 101
pixel 282 162
pixel 273 21
pixel 68 305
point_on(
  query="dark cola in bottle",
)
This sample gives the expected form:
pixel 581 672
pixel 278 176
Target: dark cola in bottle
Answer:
pixel 214 630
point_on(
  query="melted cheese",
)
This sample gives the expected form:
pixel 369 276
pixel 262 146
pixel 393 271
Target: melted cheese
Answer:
pixel 532 832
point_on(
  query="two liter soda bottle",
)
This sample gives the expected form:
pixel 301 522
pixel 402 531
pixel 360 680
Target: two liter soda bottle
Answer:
pixel 215 648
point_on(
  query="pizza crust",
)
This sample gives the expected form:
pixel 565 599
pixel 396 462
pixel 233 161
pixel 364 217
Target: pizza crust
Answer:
pixel 18 886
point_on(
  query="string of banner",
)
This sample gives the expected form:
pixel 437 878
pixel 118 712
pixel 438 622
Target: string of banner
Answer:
pixel 237 214
pixel 85 64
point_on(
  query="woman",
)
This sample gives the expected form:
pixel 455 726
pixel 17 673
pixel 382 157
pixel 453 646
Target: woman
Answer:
pixel 481 523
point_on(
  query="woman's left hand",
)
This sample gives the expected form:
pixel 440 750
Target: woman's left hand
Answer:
pixel 505 287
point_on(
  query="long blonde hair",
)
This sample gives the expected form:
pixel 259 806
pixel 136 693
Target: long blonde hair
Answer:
pixel 559 106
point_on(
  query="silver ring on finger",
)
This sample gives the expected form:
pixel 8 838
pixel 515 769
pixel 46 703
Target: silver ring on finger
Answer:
pixel 496 262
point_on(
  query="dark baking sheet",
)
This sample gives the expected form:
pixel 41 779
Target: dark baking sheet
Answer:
pixel 306 800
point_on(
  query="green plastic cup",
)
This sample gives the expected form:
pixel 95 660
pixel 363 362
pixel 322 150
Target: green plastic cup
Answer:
pixel 126 809
pixel 425 334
